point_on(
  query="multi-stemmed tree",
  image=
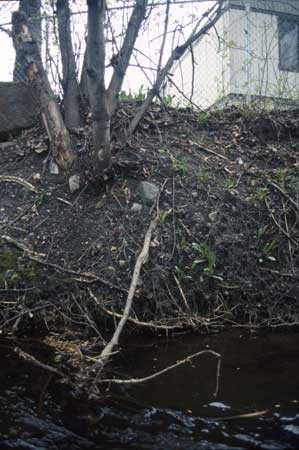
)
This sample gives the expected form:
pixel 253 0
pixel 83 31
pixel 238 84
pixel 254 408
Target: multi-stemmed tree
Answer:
pixel 102 98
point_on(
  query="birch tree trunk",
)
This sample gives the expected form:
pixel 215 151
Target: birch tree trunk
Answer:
pixel 30 60
pixel 123 58
pixel 71 99
pixel 96 84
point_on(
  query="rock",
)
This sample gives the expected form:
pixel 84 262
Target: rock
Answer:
pixel 53 168
pixel 19 108
pixel 213 216
pixel 148 191
pixel 74 183
pixel 136 208
pixel 36 177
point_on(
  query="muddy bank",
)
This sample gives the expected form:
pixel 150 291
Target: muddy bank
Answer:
pixel 225 251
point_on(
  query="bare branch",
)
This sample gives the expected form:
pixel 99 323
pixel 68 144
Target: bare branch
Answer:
pixel 166 21
pixel 213 14
pixel 140 261
pixel 125 53
pixel 173 366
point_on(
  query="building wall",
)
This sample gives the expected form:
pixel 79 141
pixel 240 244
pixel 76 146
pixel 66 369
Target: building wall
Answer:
pixel 211 77
pixel 245 61
pixel 276 6
pixel 254 56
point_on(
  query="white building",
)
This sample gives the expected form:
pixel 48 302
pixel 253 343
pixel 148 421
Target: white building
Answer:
pixel 251 54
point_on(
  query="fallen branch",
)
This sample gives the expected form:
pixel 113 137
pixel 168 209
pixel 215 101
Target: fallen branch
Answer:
pixel 173 366
pixel 12 179
pixel 140 261
pixel 137 322
pixel 37 363
pixel 30 253
pixel 208 150
pixel 239 416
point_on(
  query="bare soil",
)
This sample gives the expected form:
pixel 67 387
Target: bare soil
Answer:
pixel 226 248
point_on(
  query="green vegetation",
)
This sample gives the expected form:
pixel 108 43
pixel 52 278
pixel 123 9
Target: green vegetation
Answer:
pixel 14 270
pixel 229 184
pixel 281 173
pixel 204 255
pixel 261 193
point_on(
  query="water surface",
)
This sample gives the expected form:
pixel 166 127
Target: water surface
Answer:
pixel 259 375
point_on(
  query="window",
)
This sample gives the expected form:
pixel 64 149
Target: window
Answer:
pixel 288 31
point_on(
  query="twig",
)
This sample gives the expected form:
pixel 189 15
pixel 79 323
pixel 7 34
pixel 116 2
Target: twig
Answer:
pixel 278 188
pixel 183 94
pixel 82 277
pixel 208 150
pixel 12 179
pixel 181 292
pixel 173 366
pixel 289 243
pixel 279 226
pixel 37 363
pixel 131 319
pixel 140 261
pixel 240 416
pixel 27 311
pixel 173 218
pixel 21 246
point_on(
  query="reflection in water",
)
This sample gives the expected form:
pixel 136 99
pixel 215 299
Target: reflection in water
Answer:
pixel 256 406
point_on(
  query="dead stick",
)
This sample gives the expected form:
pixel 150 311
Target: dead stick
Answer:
pixel 37 363
pixel 132 320
pixel 279 226
pixel 23 313
pixel 278 188
pixel 12 179
pixel 240 416
pixel 167 369
pixel 181 292
pixel 140 261
pixel 208 150
pixel 82 277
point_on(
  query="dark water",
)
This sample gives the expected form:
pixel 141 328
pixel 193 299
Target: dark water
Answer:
pixel 259 374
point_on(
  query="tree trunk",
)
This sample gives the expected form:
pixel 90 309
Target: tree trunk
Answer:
pixel 96 84
pixel 71 99
pixel 30 60
pixel 84 82
pixel 123 58
pixel 31 9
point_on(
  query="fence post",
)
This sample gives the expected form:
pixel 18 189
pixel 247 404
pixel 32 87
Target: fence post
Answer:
pixel 248 50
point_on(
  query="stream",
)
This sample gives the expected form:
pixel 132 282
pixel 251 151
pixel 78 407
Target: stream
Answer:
pixel 257 406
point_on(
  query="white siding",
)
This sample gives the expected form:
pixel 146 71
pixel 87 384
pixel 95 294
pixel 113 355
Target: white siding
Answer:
pixel 278 6
pixel 210 70
pixel 255 70
pixel 244 62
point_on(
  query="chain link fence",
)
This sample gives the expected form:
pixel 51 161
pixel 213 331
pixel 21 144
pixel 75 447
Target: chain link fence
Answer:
pixel 251 56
